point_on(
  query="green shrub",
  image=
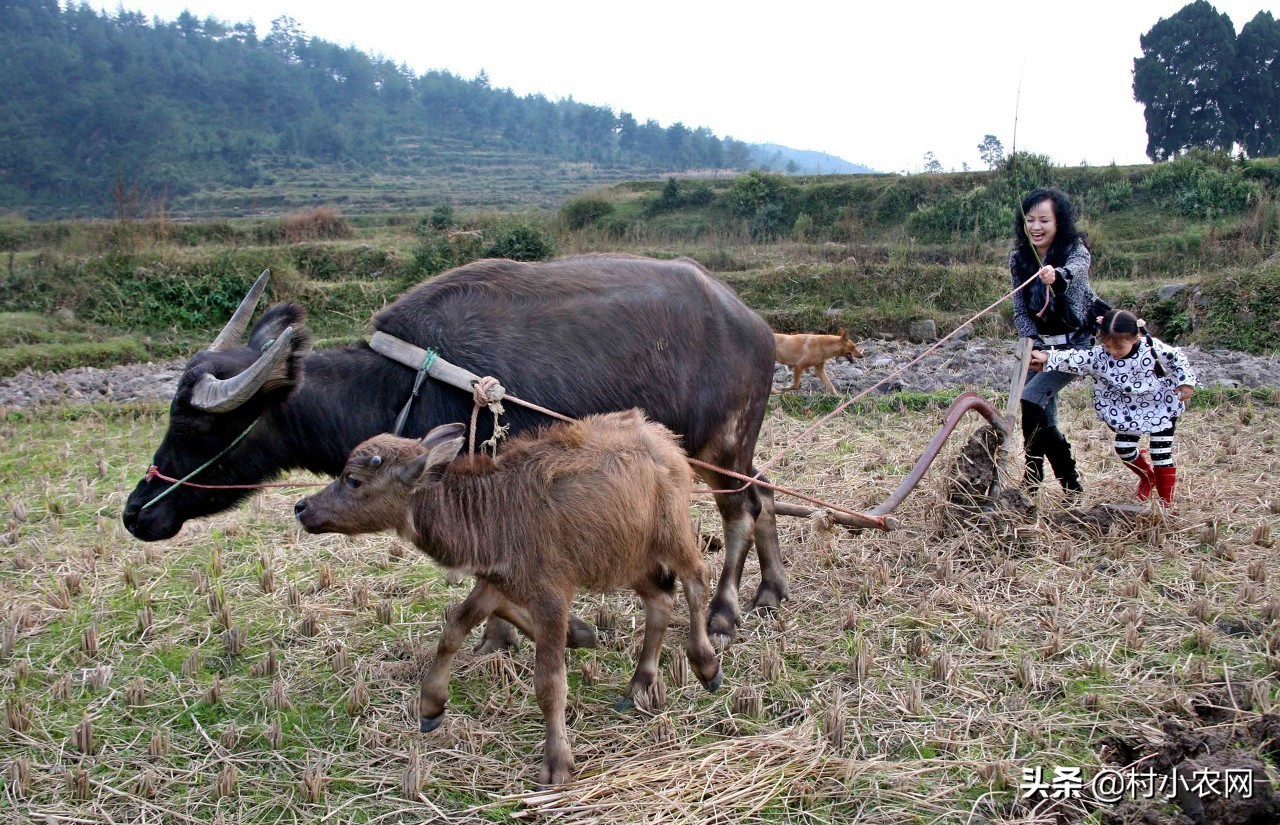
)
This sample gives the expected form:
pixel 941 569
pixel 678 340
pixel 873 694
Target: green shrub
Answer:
pixel 521 242
pixel 127 291
pixel 699 193
pixel 973 214
pixel 1239 309
pixel 442 217
pixel 325 262
pixel 898 200
pixel 1201 185
pixel 755 190
pixel 579 213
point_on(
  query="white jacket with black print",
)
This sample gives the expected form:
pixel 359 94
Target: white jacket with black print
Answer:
pixel 1127 393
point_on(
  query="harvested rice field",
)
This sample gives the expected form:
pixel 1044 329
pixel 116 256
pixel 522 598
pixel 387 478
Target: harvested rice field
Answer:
pixel 958 669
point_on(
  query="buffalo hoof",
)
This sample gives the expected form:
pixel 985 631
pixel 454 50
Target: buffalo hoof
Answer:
pixel 768 599
pixel 551 776
pixel 429 723
pixel 713 684
pixel 721 627
pixel 624 704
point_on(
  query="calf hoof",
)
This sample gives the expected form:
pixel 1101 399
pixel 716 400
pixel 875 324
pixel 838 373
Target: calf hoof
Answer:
pixel 498 636
pixel 429 723
pixel 581 635
pixel 713 684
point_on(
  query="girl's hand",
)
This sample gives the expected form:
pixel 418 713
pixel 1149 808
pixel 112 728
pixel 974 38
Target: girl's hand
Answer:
pixel 1038 359
pixel 1047 275
pixel 1184 392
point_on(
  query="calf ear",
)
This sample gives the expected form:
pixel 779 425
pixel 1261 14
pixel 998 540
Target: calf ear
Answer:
pixel 444 432
pixel 428 467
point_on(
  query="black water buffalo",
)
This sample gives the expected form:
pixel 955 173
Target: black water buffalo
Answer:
pixel 580 335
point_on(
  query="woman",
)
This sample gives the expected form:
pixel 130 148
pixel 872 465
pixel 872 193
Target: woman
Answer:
pixel 1050 311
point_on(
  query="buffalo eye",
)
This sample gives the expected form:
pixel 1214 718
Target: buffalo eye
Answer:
pixel 352 482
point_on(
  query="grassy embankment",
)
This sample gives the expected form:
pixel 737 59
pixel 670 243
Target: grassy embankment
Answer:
pixel 871 253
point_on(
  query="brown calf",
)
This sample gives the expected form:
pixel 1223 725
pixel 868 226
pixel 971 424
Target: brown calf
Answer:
pixel 807 350
pixel 600 503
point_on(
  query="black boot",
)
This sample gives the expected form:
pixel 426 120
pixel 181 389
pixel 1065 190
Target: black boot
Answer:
pixel 1046 441
pixel 1058 451
pixel 1033 425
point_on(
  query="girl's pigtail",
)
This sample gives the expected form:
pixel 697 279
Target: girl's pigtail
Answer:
pixel 1155 356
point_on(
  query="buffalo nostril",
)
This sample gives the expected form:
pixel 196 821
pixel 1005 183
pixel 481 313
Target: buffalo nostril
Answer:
pixel 299 507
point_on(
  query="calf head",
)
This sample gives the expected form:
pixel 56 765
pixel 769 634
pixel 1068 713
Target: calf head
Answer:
pixel 381 475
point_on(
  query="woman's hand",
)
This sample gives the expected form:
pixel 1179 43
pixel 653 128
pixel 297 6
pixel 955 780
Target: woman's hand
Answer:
pixel 1039 358
pixel 1184 392
pixel 1047 274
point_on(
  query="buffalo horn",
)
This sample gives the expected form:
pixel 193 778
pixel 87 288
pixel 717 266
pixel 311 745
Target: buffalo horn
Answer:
pixel 219 395
pixel 231 334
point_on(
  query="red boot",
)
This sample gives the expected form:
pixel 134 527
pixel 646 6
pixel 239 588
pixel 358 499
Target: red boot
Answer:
pixel 1166 477
pixel 1141 467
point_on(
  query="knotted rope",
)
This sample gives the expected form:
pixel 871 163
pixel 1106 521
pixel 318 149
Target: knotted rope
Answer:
pixel 487 392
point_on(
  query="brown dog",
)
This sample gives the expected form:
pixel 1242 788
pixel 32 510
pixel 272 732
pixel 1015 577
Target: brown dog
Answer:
pixel 806 350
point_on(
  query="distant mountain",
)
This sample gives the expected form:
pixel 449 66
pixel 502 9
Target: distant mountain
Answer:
pixel 777 158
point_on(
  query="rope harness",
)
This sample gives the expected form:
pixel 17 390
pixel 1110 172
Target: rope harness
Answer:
pixel 488 392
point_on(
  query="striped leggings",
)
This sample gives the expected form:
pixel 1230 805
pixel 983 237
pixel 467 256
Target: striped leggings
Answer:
pixel 1161 446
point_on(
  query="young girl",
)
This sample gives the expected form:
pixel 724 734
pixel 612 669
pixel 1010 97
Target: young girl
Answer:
pixel 1140 385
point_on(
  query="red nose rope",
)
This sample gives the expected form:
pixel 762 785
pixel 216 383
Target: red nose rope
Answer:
pixel 153 472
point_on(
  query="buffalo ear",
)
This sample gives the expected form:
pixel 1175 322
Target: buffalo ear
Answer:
pixel 269 328
pixel 428 467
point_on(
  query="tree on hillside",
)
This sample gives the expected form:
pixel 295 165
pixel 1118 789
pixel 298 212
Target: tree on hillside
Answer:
pixel 286 39
pixel 991 150
pixel 1257 86
pixel 932 166
pixel 1185 80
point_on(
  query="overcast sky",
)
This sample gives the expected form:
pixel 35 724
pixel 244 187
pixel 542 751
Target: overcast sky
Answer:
pixel 878 83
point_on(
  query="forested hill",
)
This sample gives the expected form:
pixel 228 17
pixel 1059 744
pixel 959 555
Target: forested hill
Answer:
pixel 96 108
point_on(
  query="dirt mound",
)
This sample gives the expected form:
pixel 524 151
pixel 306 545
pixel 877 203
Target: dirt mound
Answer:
pixel 1213 770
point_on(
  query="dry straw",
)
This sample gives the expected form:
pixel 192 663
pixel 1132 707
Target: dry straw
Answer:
pixel 822 717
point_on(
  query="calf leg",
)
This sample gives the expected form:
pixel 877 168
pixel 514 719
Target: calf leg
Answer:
pixel 551 619
pixel 701 653
pixel 433 693
pixel 500 635
pixel 658 591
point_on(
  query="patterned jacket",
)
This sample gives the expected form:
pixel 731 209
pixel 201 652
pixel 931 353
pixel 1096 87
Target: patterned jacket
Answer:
pixel 1127 394
pixel 1072 284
